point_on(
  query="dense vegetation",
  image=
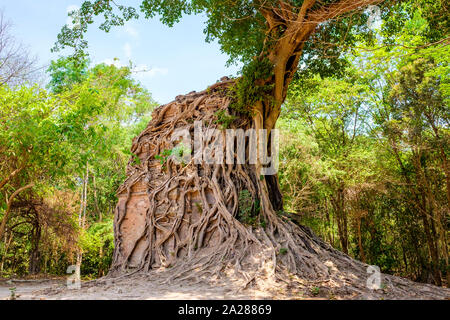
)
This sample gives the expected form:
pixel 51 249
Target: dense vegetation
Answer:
pixel 64 151
pixel 364 156
pixel 371 173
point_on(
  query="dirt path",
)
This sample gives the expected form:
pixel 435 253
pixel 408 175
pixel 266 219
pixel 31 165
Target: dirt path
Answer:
pixel 141 287
pixel 25 288
pixel 113 290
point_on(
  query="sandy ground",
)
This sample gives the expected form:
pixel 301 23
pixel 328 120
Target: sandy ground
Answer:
pixel 114 290
pixel 143 288
pixel 25 288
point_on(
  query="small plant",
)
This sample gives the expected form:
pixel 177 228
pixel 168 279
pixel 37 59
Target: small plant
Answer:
pixel 136 161
pixel 263 223
pixel 199 207
pixel 315 291
pixel 248 90
pixel 283 251
pixel 162 157
pixel 178 153
pixel 224 119
pixel 257 206
pixel 247 208
pixel 13 295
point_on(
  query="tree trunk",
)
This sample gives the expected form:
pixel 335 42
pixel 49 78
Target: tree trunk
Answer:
pixel 99 212
pixel 82 213
pixel 8 207
pixel 34 266
pixel 341 217
pixel 361 248
pixel 183 217
pixel 6 246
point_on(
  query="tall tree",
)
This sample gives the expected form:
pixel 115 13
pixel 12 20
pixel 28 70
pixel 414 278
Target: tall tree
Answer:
pixel 201 218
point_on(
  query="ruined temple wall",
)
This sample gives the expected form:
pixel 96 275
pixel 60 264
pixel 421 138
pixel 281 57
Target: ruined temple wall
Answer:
pixel 135 194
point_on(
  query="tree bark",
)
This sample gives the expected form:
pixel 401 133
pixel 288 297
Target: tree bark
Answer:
pixel 360 245
pixel 12 175
pixel 34 266
pixel 82 213
pixel 8 207
pixel 341 217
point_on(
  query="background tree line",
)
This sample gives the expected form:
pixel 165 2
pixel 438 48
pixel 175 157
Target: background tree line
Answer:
pixel 371 175
pixel 63 153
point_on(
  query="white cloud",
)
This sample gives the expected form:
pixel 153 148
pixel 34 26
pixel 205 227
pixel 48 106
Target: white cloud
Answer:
pixel 132 32
pixel 142 72
pixel 128 51
pixel 158 71
pixel 115 62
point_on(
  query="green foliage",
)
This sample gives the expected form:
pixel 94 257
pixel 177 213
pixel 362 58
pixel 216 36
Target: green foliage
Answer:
pixel 315 291
pixel 162 157
pixel 34 132
pixel 178 153
pixel 65 72
pixel 403 20
pixel 362 156
pixel 224 119
pixel 51 139
pixel 240 27
pixel 249 209
pixel 97 244
pixel 247 89
pixel 246 208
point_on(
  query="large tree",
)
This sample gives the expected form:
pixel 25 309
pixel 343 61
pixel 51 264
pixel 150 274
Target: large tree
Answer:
pixel 225 221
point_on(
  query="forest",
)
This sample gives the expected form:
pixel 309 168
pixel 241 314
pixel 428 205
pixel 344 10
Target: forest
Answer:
pixel 363 122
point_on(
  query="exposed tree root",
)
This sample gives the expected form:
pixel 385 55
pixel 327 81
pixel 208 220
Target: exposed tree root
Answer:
pixel 180 222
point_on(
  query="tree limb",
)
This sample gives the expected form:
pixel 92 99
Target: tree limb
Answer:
pixel 8 207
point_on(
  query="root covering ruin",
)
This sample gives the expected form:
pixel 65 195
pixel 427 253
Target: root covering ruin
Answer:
pixel 222 224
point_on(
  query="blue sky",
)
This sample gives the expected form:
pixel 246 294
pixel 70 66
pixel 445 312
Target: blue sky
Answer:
pixel 177 59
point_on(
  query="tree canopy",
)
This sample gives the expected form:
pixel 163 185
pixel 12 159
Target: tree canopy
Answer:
pixel 312 35
pixel 246 29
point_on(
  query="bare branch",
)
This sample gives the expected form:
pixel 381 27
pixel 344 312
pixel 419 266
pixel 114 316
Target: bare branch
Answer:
pixel 16 65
